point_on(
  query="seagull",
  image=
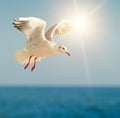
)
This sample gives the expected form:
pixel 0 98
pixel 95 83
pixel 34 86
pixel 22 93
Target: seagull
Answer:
pixel 40 44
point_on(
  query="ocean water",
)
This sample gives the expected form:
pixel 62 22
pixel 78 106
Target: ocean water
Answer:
pixel 59 102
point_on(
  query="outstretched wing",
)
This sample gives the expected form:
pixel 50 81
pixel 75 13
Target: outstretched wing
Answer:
pixel 61 28
pixel 32 27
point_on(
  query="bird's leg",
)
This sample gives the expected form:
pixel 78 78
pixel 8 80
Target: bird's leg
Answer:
pixel 28 62
pixel 34 64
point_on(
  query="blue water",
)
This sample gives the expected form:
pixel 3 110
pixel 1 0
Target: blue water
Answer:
pixel 43 102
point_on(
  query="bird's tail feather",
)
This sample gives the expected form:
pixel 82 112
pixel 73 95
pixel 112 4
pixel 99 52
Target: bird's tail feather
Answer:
pixel 22 56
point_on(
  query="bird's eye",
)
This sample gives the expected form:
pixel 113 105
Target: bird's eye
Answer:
pixel 63 48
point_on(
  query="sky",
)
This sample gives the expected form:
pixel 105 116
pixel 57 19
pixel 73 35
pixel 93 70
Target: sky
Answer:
pixel 95 51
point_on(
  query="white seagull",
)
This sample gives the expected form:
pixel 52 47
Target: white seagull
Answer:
pixel 38 43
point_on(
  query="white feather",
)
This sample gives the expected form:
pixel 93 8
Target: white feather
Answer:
pixel 61 28
pixel 33 28
pixel 22 56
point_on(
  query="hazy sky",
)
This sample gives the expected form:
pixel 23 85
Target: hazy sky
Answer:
pixel 95 52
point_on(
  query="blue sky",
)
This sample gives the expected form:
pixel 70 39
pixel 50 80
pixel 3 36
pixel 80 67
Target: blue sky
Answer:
pixel 95 54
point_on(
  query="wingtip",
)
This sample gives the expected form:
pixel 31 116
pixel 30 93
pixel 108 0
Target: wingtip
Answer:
pixel 15 19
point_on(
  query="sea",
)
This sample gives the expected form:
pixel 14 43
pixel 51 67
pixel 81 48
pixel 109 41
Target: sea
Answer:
pixel 59 102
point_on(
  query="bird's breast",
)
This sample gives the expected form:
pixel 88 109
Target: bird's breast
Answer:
pixel 43 51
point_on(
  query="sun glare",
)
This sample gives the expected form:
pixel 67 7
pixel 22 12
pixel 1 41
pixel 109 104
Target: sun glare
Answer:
pixel 80 24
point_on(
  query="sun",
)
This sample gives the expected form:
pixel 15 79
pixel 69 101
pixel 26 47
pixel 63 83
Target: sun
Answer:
pixel 80 23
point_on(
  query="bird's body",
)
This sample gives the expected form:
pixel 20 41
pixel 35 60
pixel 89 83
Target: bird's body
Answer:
pixel 39 51
pixel 39 44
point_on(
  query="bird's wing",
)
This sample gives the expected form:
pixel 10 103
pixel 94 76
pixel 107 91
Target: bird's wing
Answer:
pixel 61 28
pixel 32 27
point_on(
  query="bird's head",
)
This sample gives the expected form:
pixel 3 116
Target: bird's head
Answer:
pixel 63 49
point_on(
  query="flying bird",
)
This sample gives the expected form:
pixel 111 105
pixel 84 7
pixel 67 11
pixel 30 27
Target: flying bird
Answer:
pixel 40 44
